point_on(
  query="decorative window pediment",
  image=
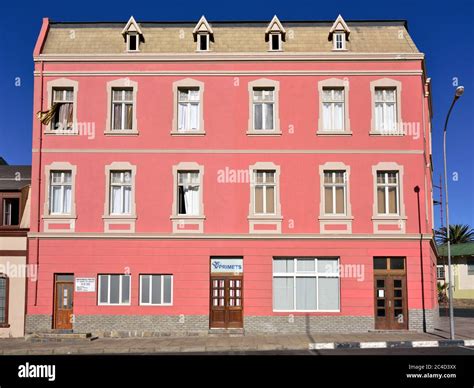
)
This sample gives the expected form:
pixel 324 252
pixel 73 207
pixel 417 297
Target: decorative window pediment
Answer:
pixel 133 35
pixel 275 34
pixel 203 34
pixel 339 34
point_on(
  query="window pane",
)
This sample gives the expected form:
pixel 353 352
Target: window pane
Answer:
pixel 328 291
pixel 67 200
pixel 3 299
pixel 55 206
pixel 328 200
pixel 167 289
pixel 283 289
pixel 380 177
pixel 305 265
pixel 258 199
pixel 283 265
pixel 392 200
pixel 340 200
pixel 327 122
pixel 381 200
pixel 397 263
pixel 156 290
pixel 329 266
pixel 125 289
pixel 270 198
pixel 306 293
pixel 258 116
pixel 104 290
pixel 380 263
pixel 268 116
pixel 145 291
pixel 114 289
pixel 182 112
pixel 269 177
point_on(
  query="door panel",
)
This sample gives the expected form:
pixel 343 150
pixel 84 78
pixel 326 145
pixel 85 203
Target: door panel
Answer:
pixel 226 302
pixel 390 302
pixel 63 302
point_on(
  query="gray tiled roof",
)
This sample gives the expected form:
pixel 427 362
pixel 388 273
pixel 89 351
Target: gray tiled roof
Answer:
pixel 229 37
pixel 14 177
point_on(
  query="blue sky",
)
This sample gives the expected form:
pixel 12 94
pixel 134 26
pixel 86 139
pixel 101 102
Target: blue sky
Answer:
pixel 442 30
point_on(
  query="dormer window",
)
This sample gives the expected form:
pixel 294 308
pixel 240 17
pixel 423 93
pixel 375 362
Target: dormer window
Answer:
pixel 133 35
pixel 339 34
pixel 132 42
pixel 275 42
pixel 275 35
pixel 339 40
pixel 203 42
pixel 203 35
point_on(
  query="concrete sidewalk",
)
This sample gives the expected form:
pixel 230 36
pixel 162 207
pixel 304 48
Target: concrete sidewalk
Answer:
pixel 165 345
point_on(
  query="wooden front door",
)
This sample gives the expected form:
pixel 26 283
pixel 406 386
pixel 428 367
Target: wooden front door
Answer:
pixel 63 301
pixel 390 298
pixel 226 302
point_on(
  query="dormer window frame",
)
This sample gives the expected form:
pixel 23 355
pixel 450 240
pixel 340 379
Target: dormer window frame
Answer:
pixel 339 37
pixel 280 41
pixel 137 37
pixel 199 36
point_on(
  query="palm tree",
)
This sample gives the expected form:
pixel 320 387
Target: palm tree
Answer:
pixel 457 234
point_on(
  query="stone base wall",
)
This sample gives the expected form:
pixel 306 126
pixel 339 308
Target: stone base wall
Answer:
pixel 415 319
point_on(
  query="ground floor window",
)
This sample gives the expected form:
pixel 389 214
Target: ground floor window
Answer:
pixel 3 300
pixel 114 289
pixel 440 272
pixel 156 289
pixel 305 284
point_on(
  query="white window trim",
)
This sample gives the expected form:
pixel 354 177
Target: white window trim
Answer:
pixel 280 41
pixel 315 274
pixel 121 83
pixel 188 83
pixel 59 166
pixel 252 170
pixel 119 166
pixel 63 83
pixel 129 34
pixel 99 303
pixel 386 185
pixel 334 83
pixel 334 40
pixel 141 303
pixel 198 41
pixel 264 83
pixel 380 219
pixel 387 83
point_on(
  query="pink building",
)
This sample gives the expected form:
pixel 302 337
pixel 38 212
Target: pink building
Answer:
pixel 264 176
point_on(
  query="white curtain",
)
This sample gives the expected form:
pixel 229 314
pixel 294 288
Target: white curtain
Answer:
pixel 390 117
pixel 194 119
pixel 328 289
pixel 67 200
pixel 327 116
pixel 116 200
pixel 268 116
pixel 191 200
pixel 283 289
pixel 127 199
pixel 379 117
pixel 257 116
pixel 182 116
pixel 56 199
pixel 338 116
pixel 306 293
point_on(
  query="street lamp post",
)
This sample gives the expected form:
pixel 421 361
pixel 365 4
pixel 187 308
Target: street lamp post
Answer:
pixel 459 92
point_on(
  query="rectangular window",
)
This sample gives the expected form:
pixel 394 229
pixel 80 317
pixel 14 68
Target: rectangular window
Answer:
pixel 385 110
pixel 470 266
pixel 120 192
pixel 387 193
pixel 440 272
pixel 188 193
pixel 263 108
pixel 275 42
pixel 114 289
pixel 122 108
pixel 3 300
pixel 306 284
pixel 333 109
pixel 203 42
pixel 11 211
pixel 60 192
pixel 132 42
pixel 188 109
pixel 264 192
pixel 156 289
pixel 335 192
pixel 339 41
pixel 63 106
